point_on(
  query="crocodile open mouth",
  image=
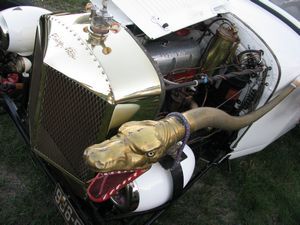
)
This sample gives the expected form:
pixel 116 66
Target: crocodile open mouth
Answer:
pixel 105 185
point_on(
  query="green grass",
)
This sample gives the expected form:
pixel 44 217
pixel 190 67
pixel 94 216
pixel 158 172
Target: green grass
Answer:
pixel 261 189
pixel 268 184
pixel 67 5
pixel 25 192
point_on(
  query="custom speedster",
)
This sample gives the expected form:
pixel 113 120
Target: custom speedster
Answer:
pixel 121 102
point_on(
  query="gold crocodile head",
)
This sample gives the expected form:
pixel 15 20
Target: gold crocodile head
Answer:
pixel 136 146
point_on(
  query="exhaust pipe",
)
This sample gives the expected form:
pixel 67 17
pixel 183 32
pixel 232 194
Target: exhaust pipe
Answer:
pixel 139 144
pixel 211 117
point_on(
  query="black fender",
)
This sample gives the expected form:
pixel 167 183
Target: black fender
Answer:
pixel 4 4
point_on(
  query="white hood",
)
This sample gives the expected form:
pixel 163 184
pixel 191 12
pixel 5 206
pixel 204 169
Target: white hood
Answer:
pixel 157 18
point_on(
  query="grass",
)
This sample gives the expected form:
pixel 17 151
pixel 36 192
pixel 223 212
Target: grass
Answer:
pixel 25 192
pixel 261 189
pixel 269 184
pixel 59 5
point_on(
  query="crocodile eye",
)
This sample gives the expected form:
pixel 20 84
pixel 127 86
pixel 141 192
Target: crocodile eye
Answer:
pixel 150 154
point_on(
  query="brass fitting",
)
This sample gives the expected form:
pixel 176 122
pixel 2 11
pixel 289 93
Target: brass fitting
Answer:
pixel 101 25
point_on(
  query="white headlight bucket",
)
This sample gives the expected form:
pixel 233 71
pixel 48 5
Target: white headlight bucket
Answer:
pixel 155 187
pixel 18 28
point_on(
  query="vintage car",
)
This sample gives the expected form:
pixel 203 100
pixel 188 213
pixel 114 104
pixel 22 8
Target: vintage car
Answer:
pixel 120 103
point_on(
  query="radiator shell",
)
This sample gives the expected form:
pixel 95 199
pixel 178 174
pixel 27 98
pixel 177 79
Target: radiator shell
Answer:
pixel 77 92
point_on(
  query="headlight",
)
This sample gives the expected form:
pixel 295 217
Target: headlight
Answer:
pixel 128 198
pixel 18 28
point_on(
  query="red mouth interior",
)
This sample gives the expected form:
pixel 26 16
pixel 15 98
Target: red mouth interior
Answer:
pixel 105 185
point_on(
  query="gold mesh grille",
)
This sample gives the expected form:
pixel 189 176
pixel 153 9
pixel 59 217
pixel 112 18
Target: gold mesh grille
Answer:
pixel 70 120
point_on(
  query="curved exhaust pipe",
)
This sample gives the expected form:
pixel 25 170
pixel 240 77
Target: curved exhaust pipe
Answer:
pixel 139 144
pixel 211 117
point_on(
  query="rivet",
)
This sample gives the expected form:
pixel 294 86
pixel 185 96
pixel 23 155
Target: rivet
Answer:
pixel 86 29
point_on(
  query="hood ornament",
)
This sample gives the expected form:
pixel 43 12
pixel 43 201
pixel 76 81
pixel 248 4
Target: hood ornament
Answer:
pixel 102 24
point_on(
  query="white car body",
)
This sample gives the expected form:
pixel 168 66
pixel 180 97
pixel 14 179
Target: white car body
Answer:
pixel 281 39
pixel 278 37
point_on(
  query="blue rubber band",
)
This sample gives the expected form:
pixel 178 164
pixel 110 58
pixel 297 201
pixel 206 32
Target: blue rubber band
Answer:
pixel 185 138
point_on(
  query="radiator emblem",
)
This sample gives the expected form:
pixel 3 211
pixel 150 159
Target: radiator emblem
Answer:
pixel 71 52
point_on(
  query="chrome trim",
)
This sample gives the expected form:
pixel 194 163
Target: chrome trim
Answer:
pixel 132 198
pixel 4 35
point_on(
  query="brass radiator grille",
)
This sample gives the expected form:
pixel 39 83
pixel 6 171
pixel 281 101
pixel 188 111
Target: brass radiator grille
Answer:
pixel 70 120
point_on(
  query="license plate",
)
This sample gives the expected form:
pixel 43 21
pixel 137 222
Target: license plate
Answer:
pixel 65 207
